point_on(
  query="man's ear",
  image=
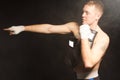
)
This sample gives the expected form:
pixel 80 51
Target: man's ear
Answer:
pixel 98 15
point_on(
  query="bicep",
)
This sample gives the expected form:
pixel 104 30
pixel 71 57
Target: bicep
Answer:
pixel 63 29
pixel 60 29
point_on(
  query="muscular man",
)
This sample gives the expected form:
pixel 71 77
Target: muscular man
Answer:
pixel 94 41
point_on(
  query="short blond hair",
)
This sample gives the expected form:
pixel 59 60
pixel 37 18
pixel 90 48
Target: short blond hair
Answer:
pixel 97 3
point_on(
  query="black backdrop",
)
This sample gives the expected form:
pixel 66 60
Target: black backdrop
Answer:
pixel 34 56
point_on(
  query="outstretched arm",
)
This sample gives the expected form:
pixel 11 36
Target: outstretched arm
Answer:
pixel 46 28
pixel 49 28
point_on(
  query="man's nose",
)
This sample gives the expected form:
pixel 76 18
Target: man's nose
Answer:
pixel 83 14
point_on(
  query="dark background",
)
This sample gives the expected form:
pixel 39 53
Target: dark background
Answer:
pixel 34 56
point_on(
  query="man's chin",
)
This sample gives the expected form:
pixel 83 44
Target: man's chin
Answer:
pixel 84 23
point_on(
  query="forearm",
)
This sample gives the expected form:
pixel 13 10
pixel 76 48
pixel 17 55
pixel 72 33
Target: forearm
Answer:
pixel 86 53
pixel 40 28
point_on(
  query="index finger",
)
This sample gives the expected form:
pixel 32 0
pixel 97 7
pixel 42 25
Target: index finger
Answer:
pixel 6 29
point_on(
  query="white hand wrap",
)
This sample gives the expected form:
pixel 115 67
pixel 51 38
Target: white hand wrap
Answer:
pixel 16 29
pixel 85 31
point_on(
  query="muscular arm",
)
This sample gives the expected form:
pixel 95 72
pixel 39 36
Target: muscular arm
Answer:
pixel 47 29
pixel 60 29
pixel 92 56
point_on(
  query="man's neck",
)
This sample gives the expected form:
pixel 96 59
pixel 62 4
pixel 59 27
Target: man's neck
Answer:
pixel 94 27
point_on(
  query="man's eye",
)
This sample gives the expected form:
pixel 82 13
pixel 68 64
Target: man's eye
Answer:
pixel 87 13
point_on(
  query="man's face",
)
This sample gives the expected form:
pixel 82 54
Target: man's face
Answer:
pixel 89 15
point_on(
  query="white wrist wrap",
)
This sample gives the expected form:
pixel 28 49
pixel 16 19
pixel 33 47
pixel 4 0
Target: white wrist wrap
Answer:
pixel 85 31
pixel 17 29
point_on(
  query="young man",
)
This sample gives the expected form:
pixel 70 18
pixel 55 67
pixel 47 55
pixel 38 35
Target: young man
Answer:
pixel 94 41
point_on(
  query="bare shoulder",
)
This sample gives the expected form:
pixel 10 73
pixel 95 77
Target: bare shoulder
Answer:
pixel 74 28
pixel 105 37
pixel 72 25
